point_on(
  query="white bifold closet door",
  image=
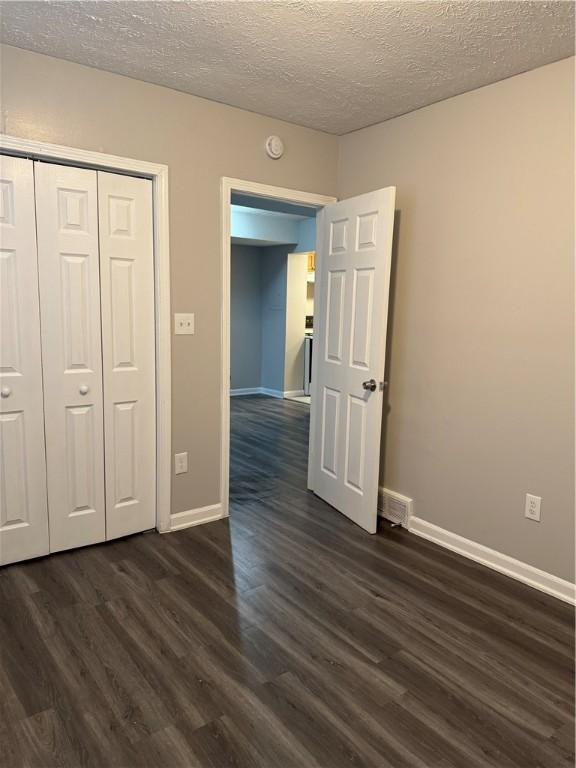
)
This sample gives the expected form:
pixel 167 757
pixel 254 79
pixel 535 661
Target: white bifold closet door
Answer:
pixel 23 504
pixel 128 352
pixel 95 249
pixel 67 221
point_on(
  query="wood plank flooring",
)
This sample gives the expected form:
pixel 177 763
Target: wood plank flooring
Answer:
pixel 285 637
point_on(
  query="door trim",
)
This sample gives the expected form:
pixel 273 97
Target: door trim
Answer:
pixel 158 174
pixel 227 187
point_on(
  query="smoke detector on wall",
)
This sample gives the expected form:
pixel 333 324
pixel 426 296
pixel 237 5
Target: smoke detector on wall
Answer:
pixel 274 147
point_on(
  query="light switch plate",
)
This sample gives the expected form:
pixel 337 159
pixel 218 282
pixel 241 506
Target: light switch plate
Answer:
pixel 180 463
pixel 184 323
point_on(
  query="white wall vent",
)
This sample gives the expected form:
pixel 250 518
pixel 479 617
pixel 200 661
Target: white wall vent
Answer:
pixel 395 507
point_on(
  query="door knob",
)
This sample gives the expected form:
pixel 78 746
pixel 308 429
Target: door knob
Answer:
pixel 84 389
pixel 369 385
pixel 5 392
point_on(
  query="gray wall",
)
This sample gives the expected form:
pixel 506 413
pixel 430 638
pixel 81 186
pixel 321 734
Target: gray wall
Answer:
pixel 258 316
pixel 274 274
pixel 57 101
pixel 481 365
pixel 306 236
pixel 245 317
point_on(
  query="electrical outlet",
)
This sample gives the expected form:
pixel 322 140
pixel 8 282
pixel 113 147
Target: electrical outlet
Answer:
pixel 180 463
pixel 532 509
pixel 184 323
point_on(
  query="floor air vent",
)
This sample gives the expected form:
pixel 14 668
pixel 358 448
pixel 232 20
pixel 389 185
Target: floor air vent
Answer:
pixel 395 507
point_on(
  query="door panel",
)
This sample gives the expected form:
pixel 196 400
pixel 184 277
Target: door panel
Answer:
pixel 335 315
pixel 82 462
pixel 14 510
pixel 355 443
pixel 352 285
pixel 75 311
pixel 330 423
pixel 125 453
pixel 23 507
pixel 128 346
pixel 67 211
pixel 361 332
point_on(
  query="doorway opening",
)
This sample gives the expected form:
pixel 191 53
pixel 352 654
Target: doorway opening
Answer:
pixel 268 324
pixel 352 283
pixel 272 258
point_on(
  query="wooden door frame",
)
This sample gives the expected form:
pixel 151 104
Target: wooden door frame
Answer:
pixel 158 174
pixel 227 187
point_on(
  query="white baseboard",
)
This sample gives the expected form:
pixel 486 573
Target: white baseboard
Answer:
pixel 257 391
pixel 294 393
pixel 272 392
pixel 190 517
pixel 516 569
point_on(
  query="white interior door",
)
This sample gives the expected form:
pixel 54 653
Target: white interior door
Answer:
pixel 67 220
pixel 128 346
pixel 352 286
pixel 23 508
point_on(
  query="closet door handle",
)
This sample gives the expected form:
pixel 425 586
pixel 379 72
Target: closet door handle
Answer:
pixel 84 389
pixel 6 391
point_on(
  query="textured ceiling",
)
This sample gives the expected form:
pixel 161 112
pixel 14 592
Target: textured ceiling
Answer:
pixel 331 65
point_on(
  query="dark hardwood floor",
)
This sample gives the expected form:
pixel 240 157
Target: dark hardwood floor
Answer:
pixel 285 637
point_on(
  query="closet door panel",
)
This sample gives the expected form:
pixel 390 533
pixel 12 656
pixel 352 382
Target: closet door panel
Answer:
pixel 67 213
pixel 128 351
pixel 23 507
